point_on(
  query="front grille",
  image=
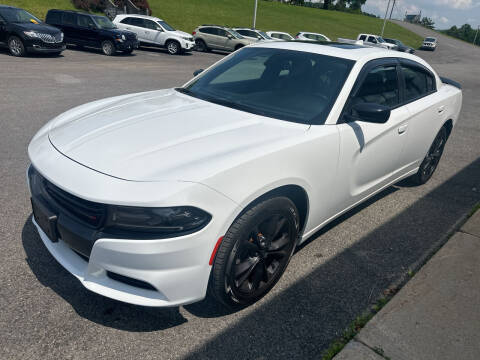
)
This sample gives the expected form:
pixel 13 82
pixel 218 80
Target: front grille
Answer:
pixel 131 36
pixel 51 39
pixel 89 213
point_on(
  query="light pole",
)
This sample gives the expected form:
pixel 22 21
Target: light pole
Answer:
pixel 255 14
pixel 476 34
pixel 385 20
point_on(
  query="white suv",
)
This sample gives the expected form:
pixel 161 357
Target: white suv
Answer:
pixel 154 31
pixel 309 36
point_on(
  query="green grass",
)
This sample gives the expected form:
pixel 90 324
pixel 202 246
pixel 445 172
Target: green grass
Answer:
pixel 186 15
pixel 39 8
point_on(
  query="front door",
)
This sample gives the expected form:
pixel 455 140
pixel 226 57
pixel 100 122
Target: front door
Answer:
pixel 3 31
pixel 87 30
pixel 370 153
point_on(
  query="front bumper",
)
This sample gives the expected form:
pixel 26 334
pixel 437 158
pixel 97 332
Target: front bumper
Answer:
pixel 187 45
pixel 127 45
pixel 176 269
pixel 39 46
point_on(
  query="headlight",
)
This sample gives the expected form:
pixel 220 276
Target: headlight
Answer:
pixel 187 38
pixel 61 37
pixel 123 37
pixel 162 221
pixel 31 33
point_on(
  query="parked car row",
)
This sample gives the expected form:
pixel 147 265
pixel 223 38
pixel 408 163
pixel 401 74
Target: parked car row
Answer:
pixel 22 32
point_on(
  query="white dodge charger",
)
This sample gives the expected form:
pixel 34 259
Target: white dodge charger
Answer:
pixel 163 197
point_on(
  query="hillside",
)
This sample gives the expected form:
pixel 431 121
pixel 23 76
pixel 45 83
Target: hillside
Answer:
pixel 187 14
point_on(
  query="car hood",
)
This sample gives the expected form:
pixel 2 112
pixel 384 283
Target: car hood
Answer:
pixel 165 135
pixel 43 28
pixel 180 33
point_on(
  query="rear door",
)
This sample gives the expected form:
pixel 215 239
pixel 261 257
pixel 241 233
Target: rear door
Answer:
pixel 3 30
pixel 220 39
pixel 371 152
pixel 137 25
pixel 70 30
pixel 428 112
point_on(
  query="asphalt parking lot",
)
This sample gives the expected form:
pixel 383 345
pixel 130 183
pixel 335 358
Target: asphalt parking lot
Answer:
pixel 46 313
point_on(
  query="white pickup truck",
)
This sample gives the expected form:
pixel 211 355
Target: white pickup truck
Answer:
pixel 376 40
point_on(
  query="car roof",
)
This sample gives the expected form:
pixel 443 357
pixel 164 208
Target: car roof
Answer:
pixel 154 18
pixel 76 12
pixel 243 28
pixel 341 50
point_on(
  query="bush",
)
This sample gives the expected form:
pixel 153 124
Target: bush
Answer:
pixel 100 5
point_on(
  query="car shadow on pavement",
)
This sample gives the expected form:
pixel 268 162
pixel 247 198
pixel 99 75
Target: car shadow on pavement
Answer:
pixel 89 305
pixel 302 320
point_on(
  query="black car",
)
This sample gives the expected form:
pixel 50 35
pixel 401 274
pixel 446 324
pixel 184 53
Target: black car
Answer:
pixel 22 32
pixel 401 46
pixel 83 29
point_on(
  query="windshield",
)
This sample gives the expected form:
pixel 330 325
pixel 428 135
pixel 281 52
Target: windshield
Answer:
pixel 265 36
pixel 104 23
pixel 429 39
pixel 235 34
pixel 380 39
pixel 283 84
pixel 165 26
pixel 18 16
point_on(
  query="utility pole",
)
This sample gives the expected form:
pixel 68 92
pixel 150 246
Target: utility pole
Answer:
pixel 385 20
pixel 391 11
pixel 475 39
pixel 255 14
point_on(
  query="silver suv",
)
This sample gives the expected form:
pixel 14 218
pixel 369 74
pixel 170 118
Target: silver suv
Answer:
pixel 214 37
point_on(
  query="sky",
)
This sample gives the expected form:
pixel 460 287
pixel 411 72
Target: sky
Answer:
pixel 445 13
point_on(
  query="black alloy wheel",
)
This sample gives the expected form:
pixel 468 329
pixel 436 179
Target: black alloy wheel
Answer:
pixel 255 252
pixel 431 160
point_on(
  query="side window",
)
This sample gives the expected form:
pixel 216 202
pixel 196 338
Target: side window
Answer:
pixel 151 25
pixel 137 22
pixel 362 37
pixel 206 30
pixel 84 21
pixel 372 39
pixel 252 34
pixel 418 82
pixel 242 32
pixel 380 86
pixel 54 17
pixel 221 32
pixel 310 36
pixel 276 36
pixel 126 21
pixel 69 19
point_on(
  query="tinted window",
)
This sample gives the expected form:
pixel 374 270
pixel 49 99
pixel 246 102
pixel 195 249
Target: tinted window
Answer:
pixel 221 32
pixel 310 36
pixel 379 87
pixel 18 16
pixel 85 21
pixel 54 17
pixel 151 25
pixel 69 19
pixel 372 39
pixel 278 83
pixel 137 22
pixel 276 36
pixel 285 37
pixel 363 37
pixel 418 82
pixel 126 21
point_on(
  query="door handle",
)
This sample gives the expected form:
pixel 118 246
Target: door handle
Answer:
pixel 441 109
pixel 402 129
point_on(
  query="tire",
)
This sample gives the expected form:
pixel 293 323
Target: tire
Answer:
pixel 200 45
pixel 108 48
pixel 173 47
pixel 254 253
pixel 16 47
pixel 431 160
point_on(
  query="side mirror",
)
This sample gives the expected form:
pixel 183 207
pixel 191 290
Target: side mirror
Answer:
pixel 370 112
pixel 92 26
pixel 259 37
pixel 230 36
pixel 196 72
